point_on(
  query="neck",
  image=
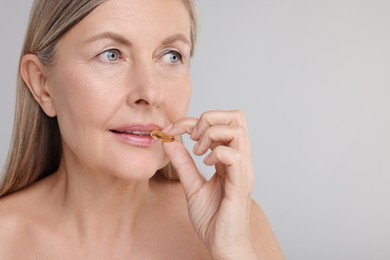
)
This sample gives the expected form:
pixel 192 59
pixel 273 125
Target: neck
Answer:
pixel 98 205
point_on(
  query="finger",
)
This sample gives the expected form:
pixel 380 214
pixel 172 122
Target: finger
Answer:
pixel 238 171
pixel 185 167
pixel 217 117
pixel 181 126
pixel 220 171
pixel 233 136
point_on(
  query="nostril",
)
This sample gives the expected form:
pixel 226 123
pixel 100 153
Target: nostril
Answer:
pixel 142 102
pixel 145 95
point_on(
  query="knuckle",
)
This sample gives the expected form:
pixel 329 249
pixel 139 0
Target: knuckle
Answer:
pixel 205 116
pixel 219 152
pixel 241 130
pixel 208 135
pixel 239 116
pixel 232 156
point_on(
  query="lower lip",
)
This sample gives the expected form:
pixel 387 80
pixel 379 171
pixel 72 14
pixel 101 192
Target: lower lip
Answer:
pixel 144 141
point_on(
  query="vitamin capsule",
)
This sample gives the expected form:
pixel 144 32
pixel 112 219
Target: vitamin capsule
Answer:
pixel 159 135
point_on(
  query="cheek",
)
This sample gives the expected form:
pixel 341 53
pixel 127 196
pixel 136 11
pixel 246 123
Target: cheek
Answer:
pixel 85 102
pixel 186 95
pixel 82 97
pixel 179 100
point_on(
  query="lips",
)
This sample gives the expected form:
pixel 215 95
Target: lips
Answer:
pixel 138 135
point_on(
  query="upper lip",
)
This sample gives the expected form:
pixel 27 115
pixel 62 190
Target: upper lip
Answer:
pixel 137 128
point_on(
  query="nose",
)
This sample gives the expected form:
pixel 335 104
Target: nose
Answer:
pixel 145 86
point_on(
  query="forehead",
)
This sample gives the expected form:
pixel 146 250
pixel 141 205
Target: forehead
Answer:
pixel 146 18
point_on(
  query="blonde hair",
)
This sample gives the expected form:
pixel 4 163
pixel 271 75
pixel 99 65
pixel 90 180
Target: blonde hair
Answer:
pixel 35 150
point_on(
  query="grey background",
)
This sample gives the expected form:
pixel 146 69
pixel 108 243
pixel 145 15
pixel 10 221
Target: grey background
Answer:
pixel 313 79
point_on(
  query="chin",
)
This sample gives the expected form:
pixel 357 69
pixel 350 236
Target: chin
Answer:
pixel 138 171
pixel 135 174
pixel 132 164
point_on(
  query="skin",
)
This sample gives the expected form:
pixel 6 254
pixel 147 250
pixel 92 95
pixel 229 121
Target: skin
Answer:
pixel 103 203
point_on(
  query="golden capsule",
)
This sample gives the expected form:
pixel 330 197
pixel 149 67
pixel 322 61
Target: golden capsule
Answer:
pixel 159 135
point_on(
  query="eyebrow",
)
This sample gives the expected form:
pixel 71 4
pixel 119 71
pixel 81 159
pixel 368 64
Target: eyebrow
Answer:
pixel 175 38
pixel 122 40
pixel 109 35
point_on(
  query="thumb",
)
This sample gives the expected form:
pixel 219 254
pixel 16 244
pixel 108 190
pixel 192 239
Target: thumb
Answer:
pixel 189 174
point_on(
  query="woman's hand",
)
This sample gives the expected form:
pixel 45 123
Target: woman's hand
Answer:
pixel 219 208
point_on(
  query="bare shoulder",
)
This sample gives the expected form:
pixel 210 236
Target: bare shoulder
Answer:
pixel 13 225
pixel 11 213
pixel 263 239
pixel 17 213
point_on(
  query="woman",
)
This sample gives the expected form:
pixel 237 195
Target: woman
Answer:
pixel 85 180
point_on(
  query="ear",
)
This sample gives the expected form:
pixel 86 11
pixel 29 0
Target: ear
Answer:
pixel 33 74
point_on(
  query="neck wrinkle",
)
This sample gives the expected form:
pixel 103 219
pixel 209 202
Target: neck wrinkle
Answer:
pixel 98 206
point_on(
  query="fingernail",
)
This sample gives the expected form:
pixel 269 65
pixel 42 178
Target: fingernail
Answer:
pixel 167 128
pixel 206 159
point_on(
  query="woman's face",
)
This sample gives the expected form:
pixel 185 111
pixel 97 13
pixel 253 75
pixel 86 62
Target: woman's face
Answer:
pixel 119 73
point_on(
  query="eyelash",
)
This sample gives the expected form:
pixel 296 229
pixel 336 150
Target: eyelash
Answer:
pixel 174 52
pixel 110 50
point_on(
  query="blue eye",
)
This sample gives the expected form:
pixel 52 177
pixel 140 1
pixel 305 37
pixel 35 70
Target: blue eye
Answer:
pixel 110 55
pixel 172 57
